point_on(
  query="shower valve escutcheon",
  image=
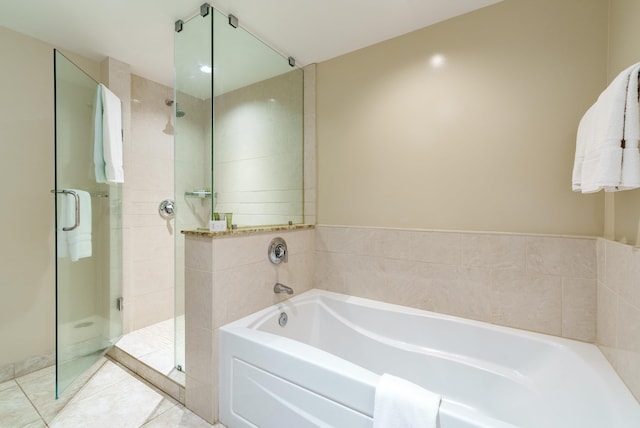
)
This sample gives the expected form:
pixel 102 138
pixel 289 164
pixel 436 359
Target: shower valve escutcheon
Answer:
pixel 167 209
pixel 277 251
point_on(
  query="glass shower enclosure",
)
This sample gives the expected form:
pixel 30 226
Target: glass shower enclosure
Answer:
pixel 238 134
pixel 192 147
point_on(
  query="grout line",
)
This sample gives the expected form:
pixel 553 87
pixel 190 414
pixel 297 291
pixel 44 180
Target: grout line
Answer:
pixel 176 403
pixel 32 404
pixel 67 403
pixel 71 399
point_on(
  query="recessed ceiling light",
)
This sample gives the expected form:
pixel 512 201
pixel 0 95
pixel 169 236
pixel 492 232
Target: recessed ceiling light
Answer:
pixel 437 60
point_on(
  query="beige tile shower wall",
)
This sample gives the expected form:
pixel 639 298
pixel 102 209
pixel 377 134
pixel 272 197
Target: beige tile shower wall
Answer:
pixel 193 161
pixel 192 172
pixel 149 180
pixel 116 75
pixel 483 140
pixel 228 278
pixel 533 282
pixel 618 330
pixel 258 168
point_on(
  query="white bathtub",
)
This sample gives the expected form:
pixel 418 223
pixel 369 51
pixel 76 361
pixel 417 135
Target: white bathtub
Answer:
pixel 321 369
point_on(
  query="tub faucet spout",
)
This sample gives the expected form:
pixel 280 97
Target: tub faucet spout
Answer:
pixel 281 288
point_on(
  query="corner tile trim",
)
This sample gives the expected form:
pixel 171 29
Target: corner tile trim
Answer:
pixel 159 380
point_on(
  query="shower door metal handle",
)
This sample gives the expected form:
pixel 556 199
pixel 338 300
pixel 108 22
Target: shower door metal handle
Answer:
pixel 77 207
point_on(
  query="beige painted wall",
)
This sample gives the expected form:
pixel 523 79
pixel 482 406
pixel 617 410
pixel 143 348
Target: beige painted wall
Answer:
pixel 483 142
pixel 624 50
pixel 27 317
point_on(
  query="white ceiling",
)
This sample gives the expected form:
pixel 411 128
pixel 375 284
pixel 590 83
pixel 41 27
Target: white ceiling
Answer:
pixel 140 32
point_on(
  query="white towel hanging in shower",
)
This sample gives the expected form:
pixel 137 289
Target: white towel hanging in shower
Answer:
pixel 98 153
pixel 112 136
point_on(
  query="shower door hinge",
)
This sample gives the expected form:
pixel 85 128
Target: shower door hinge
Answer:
pixel 120 303
pixel 233 21
pixel 177 26
pixel 204 9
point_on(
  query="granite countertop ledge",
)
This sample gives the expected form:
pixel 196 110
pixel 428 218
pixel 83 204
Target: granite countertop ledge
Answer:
pixel 251 230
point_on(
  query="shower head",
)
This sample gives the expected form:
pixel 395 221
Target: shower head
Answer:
pixel 179 113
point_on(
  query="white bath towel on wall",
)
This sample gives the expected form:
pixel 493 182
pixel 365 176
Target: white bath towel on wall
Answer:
pixel 630 176
pixel 599 153
pixel 112 136
pixel 402 404
pixel 585 132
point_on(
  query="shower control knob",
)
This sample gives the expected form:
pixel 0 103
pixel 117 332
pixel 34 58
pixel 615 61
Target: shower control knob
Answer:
pixel 277 251
pixel 167 209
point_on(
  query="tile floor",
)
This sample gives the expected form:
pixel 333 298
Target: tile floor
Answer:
pixel 154 346
pixel 110 397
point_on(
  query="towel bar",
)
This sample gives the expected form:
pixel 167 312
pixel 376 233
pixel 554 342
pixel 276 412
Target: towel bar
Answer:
pixel 77 204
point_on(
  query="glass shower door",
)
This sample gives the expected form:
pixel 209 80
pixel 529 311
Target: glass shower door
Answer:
pixel 88 232
pixel 192 149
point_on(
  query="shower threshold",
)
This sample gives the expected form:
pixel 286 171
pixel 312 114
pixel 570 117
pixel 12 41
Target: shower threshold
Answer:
pixel 149 352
